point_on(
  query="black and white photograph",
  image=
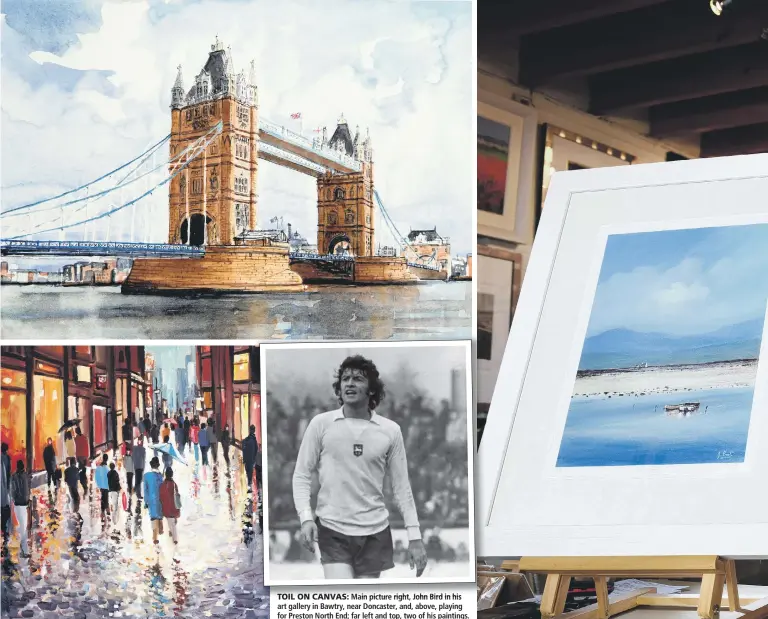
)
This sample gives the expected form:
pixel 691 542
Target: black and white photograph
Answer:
pixel 367 463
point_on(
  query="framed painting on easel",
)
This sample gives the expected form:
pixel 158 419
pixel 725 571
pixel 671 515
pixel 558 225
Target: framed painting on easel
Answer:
pixel 635 378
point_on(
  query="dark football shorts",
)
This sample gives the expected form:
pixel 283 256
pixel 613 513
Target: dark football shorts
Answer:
pixel 367 554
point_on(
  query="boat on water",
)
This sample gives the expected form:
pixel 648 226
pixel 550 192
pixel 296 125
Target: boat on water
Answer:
pixel 682 410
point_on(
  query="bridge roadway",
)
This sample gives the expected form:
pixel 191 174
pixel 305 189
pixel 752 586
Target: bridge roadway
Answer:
pixel 296 144
pixel 114 249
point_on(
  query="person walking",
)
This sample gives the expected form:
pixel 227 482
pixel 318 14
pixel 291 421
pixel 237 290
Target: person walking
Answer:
pixel 352 450
pixel 6 459
pixel 167 458
pixel 225 443
pixel 139 458
pixel 102 483
pixel 213 439
pixel 202 438
pixel 49 460
pixel 166 431
pixel 127 430
pixel 20 500
pixel 70 451
pixel 129 468
pixel 113 479
pixel 179 436
pixel 187 427
pixel 170 501
pixel 72 478
pixel 194 435
pixel 82 449
pixel 6 504
pixel 154 433
pixel 250 451
pixel 152 481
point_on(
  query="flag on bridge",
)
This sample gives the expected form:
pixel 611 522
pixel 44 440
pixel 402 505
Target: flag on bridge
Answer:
pixel 296 116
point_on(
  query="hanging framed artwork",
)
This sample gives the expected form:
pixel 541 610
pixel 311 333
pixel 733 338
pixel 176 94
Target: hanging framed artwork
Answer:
pixel 500 139
pixel 498 282
pixel 634 384
pixel 566 150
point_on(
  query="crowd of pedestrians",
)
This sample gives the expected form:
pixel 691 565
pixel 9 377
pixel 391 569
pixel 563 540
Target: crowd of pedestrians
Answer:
pixel 143 467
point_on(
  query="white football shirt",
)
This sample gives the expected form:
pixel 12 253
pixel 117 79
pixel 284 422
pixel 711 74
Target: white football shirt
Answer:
pixel 352 457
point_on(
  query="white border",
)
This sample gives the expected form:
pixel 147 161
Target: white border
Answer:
pixel 362 345
pixel 551 540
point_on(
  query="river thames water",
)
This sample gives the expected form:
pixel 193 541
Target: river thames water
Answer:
pixel 432 310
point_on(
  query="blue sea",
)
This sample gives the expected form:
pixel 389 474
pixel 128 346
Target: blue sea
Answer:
pixel 634 430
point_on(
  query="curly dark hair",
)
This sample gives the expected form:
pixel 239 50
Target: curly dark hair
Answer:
pixel 368 368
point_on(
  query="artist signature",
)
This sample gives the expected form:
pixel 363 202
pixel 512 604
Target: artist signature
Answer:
pixel 724 455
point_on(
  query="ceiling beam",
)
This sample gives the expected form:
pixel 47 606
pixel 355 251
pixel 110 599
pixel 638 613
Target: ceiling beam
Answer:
pixel 516 17
pixel 738 141
pixel 685 78
pixel 656 33
pixel 734 109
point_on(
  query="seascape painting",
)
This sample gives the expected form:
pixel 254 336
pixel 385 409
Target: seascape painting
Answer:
pixel 670 359
pixel 219 169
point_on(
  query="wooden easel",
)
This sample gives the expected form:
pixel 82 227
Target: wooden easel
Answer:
pixel 714 571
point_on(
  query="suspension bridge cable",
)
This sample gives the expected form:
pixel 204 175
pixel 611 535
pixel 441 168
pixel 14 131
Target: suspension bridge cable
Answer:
pixel 121 184
pixel 127 204
pixel 101 178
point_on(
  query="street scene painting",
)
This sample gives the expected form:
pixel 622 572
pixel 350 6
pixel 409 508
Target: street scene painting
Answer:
pixel 231 170
pixel 369 463
pixel 670 359
pixel 131 482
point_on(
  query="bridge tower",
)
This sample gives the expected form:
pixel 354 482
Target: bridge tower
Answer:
pixel 213 200
pixel 345 221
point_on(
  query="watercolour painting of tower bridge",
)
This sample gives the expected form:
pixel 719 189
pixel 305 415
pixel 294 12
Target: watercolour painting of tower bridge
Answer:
pixel 380 264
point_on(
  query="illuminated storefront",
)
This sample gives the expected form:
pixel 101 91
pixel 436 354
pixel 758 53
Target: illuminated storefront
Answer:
pixel 42 387
pixel 228 378
pixel 48 410
pixel 13 422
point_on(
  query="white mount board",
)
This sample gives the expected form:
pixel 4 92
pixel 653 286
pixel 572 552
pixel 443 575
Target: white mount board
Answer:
pixel 527 506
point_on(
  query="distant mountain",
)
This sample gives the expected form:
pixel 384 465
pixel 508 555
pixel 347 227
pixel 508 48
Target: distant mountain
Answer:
pixel 624 348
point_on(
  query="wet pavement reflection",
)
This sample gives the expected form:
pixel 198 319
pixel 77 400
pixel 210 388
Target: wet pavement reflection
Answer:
pixel 86 565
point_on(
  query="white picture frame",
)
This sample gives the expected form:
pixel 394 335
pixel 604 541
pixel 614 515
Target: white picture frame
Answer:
pixel 527 506
pixel 501 225
pixel 498 285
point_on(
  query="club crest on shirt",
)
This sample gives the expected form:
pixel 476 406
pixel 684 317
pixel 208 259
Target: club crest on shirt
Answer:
pixel 357 449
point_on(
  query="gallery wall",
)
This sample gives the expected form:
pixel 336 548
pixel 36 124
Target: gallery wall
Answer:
pixel 524 137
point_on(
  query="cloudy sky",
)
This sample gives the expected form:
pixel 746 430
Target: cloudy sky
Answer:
pixel 682 282
pixel 86 87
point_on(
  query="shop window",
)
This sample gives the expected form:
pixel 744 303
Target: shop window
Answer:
pixel 244 415
pixel 121 356
pixel 241 372
pixel 102 354
pixel 83 374
pixel 206 370
pixel 13 379
pixel 48 415
pixel 205 350
pixel 83 352
pixel 56 352
pixel 100 425
pixel 13 427
pixel 256 414
pixel 207 400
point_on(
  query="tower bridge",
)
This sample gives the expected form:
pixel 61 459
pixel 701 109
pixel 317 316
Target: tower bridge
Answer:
pixel 216 141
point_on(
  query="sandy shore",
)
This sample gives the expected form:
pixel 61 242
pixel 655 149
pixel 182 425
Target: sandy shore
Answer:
pixel 668 380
